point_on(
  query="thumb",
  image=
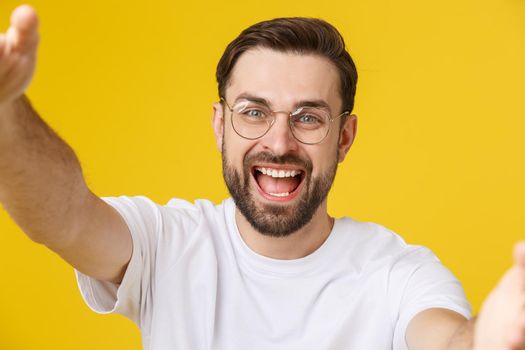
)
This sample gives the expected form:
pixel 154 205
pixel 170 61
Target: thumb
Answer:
pixel 24 28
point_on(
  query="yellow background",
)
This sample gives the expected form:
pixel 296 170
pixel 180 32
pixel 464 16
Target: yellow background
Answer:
pixel 129 84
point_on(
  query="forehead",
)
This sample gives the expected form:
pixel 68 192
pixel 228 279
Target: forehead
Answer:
pixel 283 78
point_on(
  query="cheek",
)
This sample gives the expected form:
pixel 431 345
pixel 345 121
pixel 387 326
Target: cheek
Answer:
pixel 323 158
pixel 234 150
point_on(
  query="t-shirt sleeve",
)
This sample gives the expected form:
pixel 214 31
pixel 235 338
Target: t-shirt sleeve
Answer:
pixel 131 296
pixel 419 281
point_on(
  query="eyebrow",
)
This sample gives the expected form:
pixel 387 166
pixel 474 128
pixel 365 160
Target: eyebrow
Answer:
pixel 303 103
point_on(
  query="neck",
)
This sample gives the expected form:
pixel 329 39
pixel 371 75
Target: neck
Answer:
pixel 294 246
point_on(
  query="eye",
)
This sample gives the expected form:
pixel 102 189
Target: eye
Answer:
pixel 251 111
pixel 254 113
pixel 308 118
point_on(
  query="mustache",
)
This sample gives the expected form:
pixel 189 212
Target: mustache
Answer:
pixel 268 157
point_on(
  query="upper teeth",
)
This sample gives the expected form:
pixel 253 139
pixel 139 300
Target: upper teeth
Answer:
pixel 278 173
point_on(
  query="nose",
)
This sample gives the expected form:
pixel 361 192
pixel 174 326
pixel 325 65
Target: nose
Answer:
pixel 279 139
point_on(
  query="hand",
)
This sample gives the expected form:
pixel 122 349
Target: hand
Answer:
pixel 18 48
pixel 501 321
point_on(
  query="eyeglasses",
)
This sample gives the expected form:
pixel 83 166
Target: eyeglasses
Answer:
pixel 252 120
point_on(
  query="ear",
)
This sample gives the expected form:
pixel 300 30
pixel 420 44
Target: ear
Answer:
pixel 218 124
pixel 347 136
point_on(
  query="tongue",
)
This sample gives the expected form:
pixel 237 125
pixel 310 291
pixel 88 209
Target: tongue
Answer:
pixel 277 185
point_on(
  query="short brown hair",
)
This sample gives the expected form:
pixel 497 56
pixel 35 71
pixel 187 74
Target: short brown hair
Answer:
pixel 298 35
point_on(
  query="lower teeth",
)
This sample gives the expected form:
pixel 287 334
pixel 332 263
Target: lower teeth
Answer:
pixel 279 194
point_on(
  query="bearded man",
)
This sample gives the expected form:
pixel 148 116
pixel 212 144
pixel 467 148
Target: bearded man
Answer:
pixel 268 268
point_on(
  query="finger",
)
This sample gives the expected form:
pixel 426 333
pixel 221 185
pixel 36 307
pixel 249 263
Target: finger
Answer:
pixel 24 19
pixel 519 254
pixel 23 34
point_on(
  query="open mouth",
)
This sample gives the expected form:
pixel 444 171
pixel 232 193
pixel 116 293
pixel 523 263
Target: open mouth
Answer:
pixel 278 183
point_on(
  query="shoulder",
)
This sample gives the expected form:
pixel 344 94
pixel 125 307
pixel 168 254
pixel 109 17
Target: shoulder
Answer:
pixel 371 245
pixel 172 228
pixel 370 237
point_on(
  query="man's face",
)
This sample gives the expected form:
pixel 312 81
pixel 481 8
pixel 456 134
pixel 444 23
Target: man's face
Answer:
pixel 253 169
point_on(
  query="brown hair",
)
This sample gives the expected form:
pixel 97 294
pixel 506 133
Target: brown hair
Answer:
pixel 298 35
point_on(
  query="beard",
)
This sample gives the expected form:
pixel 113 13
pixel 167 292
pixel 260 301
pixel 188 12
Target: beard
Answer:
pixel 277 220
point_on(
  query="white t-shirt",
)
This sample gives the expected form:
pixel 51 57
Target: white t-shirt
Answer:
pixel 192 283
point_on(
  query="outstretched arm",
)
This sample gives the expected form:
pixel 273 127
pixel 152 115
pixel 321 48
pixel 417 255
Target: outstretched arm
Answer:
pixel 501 321
pixel 41 182
pixel 500 324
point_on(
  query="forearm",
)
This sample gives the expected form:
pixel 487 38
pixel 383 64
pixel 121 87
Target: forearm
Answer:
pixel 41 182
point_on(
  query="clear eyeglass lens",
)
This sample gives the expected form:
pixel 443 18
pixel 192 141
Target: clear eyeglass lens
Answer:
pixel 310 125
pixel 251 120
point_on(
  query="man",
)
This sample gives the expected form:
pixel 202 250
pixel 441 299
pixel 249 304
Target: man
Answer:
pixel 269 269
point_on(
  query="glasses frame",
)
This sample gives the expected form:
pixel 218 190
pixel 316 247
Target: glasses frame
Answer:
pixel 273 113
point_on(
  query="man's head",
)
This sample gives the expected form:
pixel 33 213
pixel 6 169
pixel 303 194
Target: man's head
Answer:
pixel 284 65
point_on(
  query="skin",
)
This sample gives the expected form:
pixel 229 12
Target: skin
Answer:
pixel 43 189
